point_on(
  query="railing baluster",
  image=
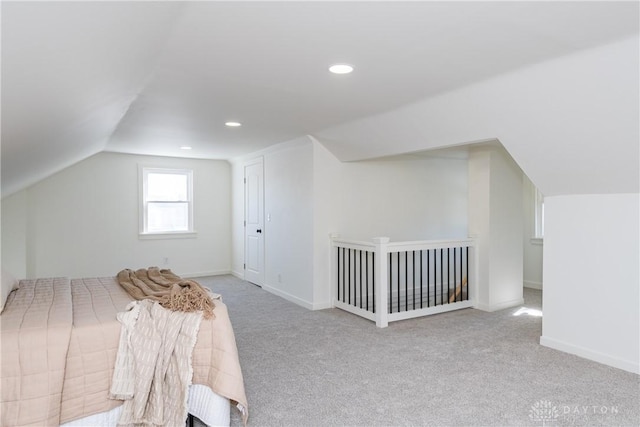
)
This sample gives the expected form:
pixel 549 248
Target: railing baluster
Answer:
pixel 338 273
pixel 349 275
pixel 455 272
pixel 373 280
pixel 441 274
pixel 455 277
pixel 355 304
pixel 343 276
pixel 360 278
pixel 461 276
pixel 467 274
pixel 390 283
pixel 413 266
pixel 428 277
pixel 420 278
pixel 448 274
pixel 398 263
pixel 366 277
pixel 406 281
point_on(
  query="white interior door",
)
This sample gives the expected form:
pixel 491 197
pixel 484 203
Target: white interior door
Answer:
pixel 254 222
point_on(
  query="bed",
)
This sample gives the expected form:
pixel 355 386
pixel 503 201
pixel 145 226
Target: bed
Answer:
pixel 59 345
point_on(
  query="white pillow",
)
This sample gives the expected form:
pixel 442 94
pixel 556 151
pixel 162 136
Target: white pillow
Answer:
pixel 9 283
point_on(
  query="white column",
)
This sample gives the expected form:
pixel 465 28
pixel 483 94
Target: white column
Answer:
pixel 495 222
pixel 380 274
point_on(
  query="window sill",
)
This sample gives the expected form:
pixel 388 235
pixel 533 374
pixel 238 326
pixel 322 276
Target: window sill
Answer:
pixel 170 235
pixel 537 241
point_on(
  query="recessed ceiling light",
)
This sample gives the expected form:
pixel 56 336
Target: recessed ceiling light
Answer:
pixel 233 124
pixel 185 147
pixel 341 69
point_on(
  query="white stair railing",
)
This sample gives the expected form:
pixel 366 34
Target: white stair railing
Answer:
pixel 387 281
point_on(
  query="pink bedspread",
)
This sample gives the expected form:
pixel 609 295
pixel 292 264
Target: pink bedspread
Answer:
pixel 36 328
pixel 59 344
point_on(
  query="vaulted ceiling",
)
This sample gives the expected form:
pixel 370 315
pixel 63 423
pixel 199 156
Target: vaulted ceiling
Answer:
pixel 149 77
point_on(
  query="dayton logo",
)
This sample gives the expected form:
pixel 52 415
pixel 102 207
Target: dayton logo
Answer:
pixel 543 411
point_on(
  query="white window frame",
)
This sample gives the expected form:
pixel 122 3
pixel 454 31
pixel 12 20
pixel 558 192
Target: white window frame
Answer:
pixel 143 172
pixel 538 228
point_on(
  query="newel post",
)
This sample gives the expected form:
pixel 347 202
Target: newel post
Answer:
pixel 380 276
pixel 333 264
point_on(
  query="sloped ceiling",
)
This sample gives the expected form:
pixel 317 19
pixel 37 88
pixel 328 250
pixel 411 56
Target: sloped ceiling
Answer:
pixel 148 77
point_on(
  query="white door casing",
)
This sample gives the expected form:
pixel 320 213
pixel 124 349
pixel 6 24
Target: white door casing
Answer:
pixel 254 221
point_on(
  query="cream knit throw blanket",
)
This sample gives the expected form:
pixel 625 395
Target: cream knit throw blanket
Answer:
pixel 153 366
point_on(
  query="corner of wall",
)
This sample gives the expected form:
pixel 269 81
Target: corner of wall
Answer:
pixel 592 277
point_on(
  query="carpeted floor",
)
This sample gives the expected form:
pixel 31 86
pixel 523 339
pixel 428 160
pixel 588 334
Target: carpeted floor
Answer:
pixel 464 368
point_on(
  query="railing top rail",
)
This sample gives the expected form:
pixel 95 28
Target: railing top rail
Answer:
pixel 353 244
pixel 429 244
pixel 405 246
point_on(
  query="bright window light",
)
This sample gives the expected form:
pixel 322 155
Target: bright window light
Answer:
pixel 233 124
pixel 530 311
pixel 539 214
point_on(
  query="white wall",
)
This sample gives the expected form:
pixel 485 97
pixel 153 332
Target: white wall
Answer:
pixel 237 217
pixel 327 212
pixel 573 125
pixel 14 234
pixel 533 247
pixel 83 221
pixel 309 194
pixel 408 198
pixel 591 278
pixel 553 118
pixel 495 220
pixel 289 234
pixel 412 197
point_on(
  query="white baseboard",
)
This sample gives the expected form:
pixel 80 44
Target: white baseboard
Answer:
pixel 238 274
pixel 292 298
pixel 533 285
pixel 616 362
pixel 206 273
pixel 499 306
pixel 322 305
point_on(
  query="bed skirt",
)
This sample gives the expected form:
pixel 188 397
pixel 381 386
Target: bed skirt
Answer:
pixel 211 408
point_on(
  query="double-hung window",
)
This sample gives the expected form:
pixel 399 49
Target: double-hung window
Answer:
pixel 539 215
pixel 167 201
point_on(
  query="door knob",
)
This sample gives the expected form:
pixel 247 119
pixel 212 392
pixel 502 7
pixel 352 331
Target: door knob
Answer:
pixel 259 230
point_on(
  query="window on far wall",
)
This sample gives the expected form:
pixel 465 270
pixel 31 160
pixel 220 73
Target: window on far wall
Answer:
pixel 539 215
pixel 166 202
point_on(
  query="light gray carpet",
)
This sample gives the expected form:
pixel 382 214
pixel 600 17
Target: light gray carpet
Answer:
pixel 464 368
